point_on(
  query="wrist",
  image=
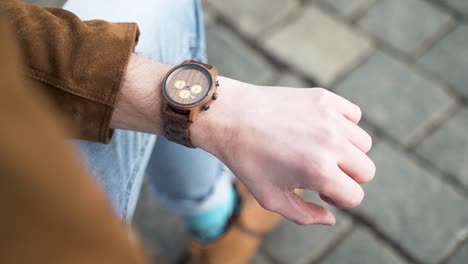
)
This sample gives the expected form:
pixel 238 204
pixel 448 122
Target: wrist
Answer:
pixel 138 106
pixel 215 129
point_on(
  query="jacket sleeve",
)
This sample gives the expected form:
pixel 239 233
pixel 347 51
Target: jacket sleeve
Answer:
pixel 52 212
pixel 78 64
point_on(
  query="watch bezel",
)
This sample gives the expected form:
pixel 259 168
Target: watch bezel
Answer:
pixel 196 66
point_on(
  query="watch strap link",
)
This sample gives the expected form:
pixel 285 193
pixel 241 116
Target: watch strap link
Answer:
pixel 176 127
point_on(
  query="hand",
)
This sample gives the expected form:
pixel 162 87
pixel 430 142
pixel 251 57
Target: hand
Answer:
pixel 276 140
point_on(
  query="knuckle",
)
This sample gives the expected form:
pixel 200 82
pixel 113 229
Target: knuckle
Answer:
pixel 322 96
pixel 327 113
pixel 333 138
pixel 326 133
pixel 323 174
pixel 321 91
pixel 318 166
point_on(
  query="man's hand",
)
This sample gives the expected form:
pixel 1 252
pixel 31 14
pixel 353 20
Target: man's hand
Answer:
pixel 277 140
pixel 274 139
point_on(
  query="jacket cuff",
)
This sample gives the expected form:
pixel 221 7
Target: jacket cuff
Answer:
pixel 125 51
pixel 86 92
pixel 79 65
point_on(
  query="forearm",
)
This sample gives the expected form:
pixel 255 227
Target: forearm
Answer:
pixel 139 102
pixel 275 140
pixel 138 106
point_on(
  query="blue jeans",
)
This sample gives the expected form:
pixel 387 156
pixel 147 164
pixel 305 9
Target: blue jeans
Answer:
pixel 185 181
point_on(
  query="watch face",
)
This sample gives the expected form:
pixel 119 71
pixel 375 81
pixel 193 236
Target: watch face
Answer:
pixel 188 85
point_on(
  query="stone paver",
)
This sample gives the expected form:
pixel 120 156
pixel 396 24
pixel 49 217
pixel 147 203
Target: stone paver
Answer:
pixel 165 235
pixel 295 244
pixel 260 259
pixel 447 148
pixel 405 24
pixel 361 247
pixel 461 256
pixel 370 131
pixel 349 8
pixel 317 45
pixel 412 207
pixel 254 17
pixel 55 3
pixel 234 58
pixel 289 80
pixel 459 5
pixel 394 97
pixel 449 59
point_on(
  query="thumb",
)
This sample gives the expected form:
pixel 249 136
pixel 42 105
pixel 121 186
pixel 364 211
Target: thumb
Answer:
pixel 296 209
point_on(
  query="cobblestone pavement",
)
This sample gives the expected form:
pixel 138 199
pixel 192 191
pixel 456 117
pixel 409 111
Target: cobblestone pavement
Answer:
pixel 405 62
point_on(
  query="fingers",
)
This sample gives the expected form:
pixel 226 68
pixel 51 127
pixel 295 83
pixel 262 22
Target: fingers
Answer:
pixel 349 110
pixel 305 213
pixel 353 159
pixel 356 135
pixel 293 207
pixel 342 190
pixel 356 164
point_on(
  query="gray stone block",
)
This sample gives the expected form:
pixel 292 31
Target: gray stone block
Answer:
pixel 412 207
pixel 252 17
pixel 260 259
pixel 289 80
pixel 209 16
pixel 405 24
pixel 447 147
pixel 461 256
pixel 164 234
pixel 459 5
pixel 394 97
pixel 318 45
pixel 55 3
pixel 234 58
pixel 449 59
pixel 361 247
pixel 349 8
pixel 294 244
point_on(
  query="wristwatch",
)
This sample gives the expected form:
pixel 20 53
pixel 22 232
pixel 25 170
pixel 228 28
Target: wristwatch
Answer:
pixel 188 89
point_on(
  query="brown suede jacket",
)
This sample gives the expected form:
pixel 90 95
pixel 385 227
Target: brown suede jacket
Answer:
pixel 78 64
pixel 51 212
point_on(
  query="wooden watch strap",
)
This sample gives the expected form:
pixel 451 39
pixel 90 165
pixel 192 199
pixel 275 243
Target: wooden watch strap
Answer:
pixel 176 127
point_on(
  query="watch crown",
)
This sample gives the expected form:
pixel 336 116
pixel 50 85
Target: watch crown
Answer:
pixel 215 96
pixel 217 83
pixel 206 107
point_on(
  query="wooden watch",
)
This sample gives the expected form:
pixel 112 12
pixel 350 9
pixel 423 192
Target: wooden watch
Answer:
pixel 187 89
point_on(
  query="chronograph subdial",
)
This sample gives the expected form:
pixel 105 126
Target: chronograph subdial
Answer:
pixel 196 89
pixel 180 84
pixel 184 94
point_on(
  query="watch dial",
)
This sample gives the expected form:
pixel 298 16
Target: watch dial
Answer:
pixel 188 84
